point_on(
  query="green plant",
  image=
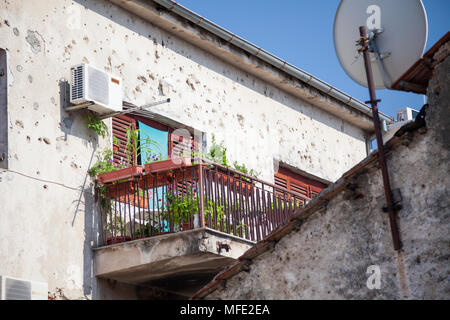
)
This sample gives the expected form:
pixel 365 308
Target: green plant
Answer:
pixel 139 146
pixel 116 141
pixel 98 126
pixel 147 230
pixel 181 204
pixel 105 164
pixel 116 226
pixel 242 168
pixel 217 152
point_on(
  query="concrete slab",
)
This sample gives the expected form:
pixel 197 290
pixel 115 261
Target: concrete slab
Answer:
pixel 179 262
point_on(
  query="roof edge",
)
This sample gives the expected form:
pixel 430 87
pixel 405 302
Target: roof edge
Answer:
pixel 321 201
pixel 269 58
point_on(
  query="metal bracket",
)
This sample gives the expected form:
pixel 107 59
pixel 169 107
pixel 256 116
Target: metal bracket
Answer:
pixel 221 246
pixel 379 56
pixel 109 115
pixel 74 107
pixel 397 201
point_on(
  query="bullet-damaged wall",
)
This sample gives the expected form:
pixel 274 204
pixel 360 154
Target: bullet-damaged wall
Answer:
pixel 48 215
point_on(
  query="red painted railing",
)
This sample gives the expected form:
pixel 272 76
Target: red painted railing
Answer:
pixel 193 196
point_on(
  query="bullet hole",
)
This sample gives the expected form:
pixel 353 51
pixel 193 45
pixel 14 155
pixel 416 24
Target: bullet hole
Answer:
pixel 157 56
pixel 30 78
pixel 35 106
pixel 86 39
pixel 142 78
pixel 28 139
pixel 240 119
pixel 6 22
pixel 45 186
pixel 36 123
pixel 190 84
pixel 16 32
pixel 33 41
pixel 47 140
pixel 19 68
pixel 19 123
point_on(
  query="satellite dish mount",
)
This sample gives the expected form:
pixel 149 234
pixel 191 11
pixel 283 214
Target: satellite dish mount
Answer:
pixel 390 205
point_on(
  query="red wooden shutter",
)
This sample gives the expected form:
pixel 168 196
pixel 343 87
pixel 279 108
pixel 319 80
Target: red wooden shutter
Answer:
pixel 119 126
pixel 300 184
pixel 182 146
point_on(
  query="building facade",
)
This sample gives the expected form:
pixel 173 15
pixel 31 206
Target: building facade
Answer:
pixel 265 117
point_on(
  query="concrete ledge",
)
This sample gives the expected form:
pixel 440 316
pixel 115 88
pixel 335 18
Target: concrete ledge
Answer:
pixel 199 253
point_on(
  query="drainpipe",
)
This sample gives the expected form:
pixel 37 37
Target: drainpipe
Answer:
pixel 268 57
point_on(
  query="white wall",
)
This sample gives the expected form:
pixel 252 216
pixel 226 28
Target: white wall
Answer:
pixel 47 213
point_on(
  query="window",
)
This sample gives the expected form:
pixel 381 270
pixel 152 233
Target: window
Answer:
pixel 172 142
pixel 298 183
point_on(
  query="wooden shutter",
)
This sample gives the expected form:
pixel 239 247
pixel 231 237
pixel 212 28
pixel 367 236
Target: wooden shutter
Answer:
pixel 300 184
pixel 182 146
pixel 119 127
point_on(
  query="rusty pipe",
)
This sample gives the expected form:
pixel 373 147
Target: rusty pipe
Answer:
pixel 381 154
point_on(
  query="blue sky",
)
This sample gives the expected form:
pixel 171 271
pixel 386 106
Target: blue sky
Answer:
pixel 301 32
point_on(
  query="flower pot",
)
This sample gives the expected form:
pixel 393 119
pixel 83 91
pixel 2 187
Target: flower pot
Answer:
pixel 113 240
pixel 187 226
pixel 120 189
pixel 221 177
pixel 121 174
pixel 169 164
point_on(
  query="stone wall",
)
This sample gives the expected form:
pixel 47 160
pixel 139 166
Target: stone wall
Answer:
pixel 325 251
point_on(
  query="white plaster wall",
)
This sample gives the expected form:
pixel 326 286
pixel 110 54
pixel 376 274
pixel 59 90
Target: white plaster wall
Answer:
pixel 47 210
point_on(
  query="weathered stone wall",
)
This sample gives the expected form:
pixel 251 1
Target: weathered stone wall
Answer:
pixel 328 256
pixel 47 214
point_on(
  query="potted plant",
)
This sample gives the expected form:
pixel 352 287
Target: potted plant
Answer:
pixel 147 231
pixel 167 164
pixel 114 228
pixel 182 206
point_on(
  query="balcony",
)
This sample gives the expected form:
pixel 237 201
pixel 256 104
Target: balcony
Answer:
pixel 187 220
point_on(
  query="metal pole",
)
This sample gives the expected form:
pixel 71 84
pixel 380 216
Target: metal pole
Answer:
pixel 373 100
pixel 109 115
pixel 201 195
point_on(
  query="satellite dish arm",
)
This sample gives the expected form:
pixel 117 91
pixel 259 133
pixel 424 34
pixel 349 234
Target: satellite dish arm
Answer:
pixel 374 48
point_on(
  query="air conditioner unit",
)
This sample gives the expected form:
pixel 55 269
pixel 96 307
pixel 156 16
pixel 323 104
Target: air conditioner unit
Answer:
pixel 101 91
pixel 406 114
pixel 19 289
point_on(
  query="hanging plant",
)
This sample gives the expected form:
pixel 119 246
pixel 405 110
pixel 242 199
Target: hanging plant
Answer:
pixel 98 126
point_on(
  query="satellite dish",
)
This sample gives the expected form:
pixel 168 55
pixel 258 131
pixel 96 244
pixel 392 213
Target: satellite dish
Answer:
pixel 399 28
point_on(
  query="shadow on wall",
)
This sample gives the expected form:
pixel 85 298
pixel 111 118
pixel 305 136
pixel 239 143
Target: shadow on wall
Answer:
pixel 74 123
pixel 213 63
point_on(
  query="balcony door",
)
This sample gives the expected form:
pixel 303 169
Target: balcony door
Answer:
pixel 154 143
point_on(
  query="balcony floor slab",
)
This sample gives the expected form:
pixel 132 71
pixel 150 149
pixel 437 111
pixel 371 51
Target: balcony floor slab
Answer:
pixel 179 262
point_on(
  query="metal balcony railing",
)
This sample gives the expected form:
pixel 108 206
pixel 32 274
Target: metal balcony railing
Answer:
pixel 199 195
